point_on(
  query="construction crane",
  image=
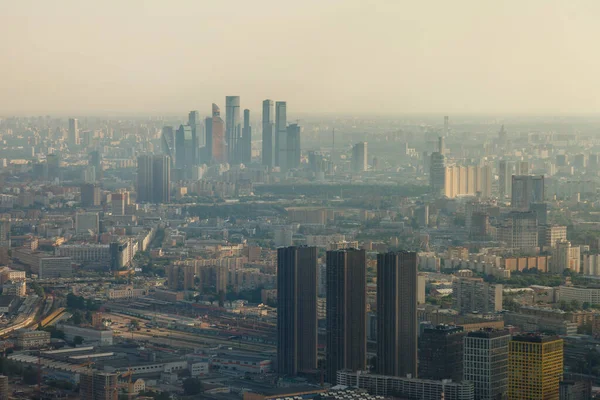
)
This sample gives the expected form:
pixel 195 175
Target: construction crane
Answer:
pixel 88 364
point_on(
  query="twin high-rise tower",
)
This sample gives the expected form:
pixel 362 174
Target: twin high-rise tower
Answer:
pixel 346 311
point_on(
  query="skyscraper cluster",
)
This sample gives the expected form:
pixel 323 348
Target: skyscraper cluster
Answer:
pixel 229 140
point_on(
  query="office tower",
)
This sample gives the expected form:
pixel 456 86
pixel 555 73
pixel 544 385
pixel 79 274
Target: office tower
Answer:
pixel 541 212
pixel 359 157
pixel 296 310
pixel 535 367
pixel 246 142
pixel 219 149
pixel 167 140
pixel 474 295
pixel 441 353
pixel 73 132
pixel 485 362
pixel 198 136
pixel 233 128
pixel 53 162
pixel 185 150
pixel 96 385
pixel 504 178
pixel 90 195
pixel 526 189
pixel 519 230
pixel 280 133
pixel 153 180
pixel 397 324
pixel 293 154
pixel 346 312
pixel 437 173
pixel 441 145
pixel 522 168
pixel 88 221
pixel 208 156
pixel 268 133
pixel 446 126
pixel 550 235
pixel 95 161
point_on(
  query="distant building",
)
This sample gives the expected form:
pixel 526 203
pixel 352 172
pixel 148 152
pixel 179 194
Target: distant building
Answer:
pixel 535 367
pixel 99 337
pixel 90 195
pixel 29 339
pixel 565 256
pixel 233 128
pixel 526 189
pixel 73 132
pixel 519 230
pixel 475 295
pixel 294 151
pixel 88 221
pixel 268 133
pixel 153 180
pixel 437 173
pixel 360 157
pixel 281 134
pixel 217 136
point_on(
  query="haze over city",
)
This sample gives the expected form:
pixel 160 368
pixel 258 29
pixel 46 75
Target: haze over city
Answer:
pixel 356 57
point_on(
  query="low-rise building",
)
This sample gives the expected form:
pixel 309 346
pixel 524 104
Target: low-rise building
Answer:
pixel 242 363
pixel 404 387
pixel 100 337
pixel 125 292
pixel 28 339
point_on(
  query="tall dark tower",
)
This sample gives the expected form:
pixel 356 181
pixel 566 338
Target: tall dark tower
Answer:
pixel 246 142
pixel 161 179
pixel 296 310
pixel 397 313
pixel 144 179
pixel 346 311
pixel 268 133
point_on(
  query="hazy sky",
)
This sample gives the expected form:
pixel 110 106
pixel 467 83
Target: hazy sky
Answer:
pixel 87 56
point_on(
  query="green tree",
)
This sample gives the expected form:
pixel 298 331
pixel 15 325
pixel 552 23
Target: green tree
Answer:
pixel 192 386
pixel 29 376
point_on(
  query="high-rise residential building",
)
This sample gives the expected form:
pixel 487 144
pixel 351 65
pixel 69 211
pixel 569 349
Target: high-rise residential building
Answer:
pixel 550 235
pixel 359 157
pixel 161 179
pixel 485 362
pixel 90 195
pixel 441 353
pixel 446 125
pixel 167 141
pixel 346 312
pixel 153 180
pixel 565 256
pixel 233 128
pixel 144 179
pixel 475 295
pixel 437 173
pixel 526 189
pixel 467 180
pixel 280 134
pixel 293 145
pixel 217 135
pixel 535 367
pixel 296 310
pixel 246 142
pixel 504 178
pixel 268 133
pixel 519 230
pixel 73 132
pixel 397 323
pixel 209 140
pixel 98 386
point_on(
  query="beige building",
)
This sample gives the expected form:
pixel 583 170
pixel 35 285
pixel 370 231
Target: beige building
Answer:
pixel 565 256
pixel 28 339
pixel 125 292
pixel 475 295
